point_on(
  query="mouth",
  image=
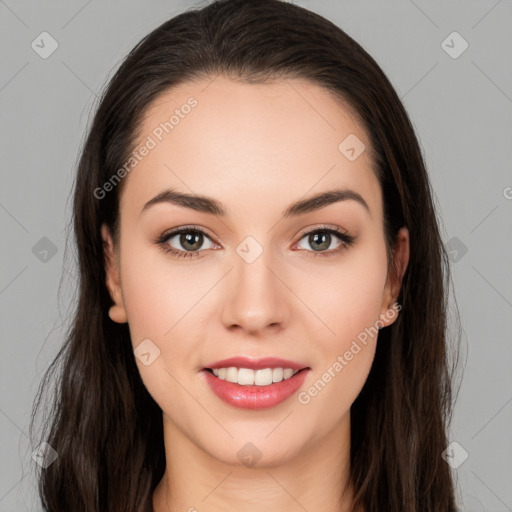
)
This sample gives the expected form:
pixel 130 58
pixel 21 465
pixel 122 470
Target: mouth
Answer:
pixel 249 377
pixel 246 388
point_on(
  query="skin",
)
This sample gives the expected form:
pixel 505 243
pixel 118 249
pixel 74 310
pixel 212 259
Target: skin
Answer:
pixel 256 149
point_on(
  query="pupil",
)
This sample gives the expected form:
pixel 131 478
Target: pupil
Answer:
pixel 188 238
pixel 324 244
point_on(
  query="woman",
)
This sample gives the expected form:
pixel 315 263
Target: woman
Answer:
pixel 261 320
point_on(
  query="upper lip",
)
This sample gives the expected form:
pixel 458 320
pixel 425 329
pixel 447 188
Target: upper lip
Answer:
pixel 257 364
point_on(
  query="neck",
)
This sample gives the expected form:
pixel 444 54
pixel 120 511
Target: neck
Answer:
pixel 316 478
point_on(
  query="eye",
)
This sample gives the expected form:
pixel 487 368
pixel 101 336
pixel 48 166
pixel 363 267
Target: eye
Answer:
pixel 321 239
pixel 191 240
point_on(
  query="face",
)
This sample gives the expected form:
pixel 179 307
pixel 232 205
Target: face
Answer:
pixel 263 279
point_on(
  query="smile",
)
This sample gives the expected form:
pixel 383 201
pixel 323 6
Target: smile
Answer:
pixel 250 389
pixel 247 376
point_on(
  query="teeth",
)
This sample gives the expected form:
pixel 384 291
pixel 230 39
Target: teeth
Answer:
pixel 231 374
pixel 287 373
pixel 277 374
pixel 247 377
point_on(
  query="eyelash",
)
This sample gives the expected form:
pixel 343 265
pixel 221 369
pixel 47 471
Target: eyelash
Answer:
pixel 346 241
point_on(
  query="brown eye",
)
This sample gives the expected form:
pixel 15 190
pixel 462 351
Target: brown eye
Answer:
pixel 191 241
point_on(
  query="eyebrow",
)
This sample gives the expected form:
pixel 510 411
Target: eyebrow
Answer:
pixel 211 206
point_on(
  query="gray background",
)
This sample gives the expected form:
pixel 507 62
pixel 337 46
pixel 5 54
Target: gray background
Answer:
pixel 461 108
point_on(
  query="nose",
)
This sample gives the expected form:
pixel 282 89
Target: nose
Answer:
pixel 255 297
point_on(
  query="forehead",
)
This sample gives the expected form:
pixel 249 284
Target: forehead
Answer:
pixel 278 140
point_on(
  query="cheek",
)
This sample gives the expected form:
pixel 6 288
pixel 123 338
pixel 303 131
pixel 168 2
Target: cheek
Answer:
pixel 349 304
pixel 348 295
pixel 359 294
pixel 163 304
pixel 345 353
pixel 344 294
pixel 157 294
pixel 160 303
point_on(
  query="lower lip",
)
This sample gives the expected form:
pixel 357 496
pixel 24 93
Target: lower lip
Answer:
pixel 255 397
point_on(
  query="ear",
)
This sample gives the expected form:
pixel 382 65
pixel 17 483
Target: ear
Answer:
pixel 117 312
pixel 395 276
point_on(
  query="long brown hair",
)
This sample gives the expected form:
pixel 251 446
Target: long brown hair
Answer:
pixel 104 425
